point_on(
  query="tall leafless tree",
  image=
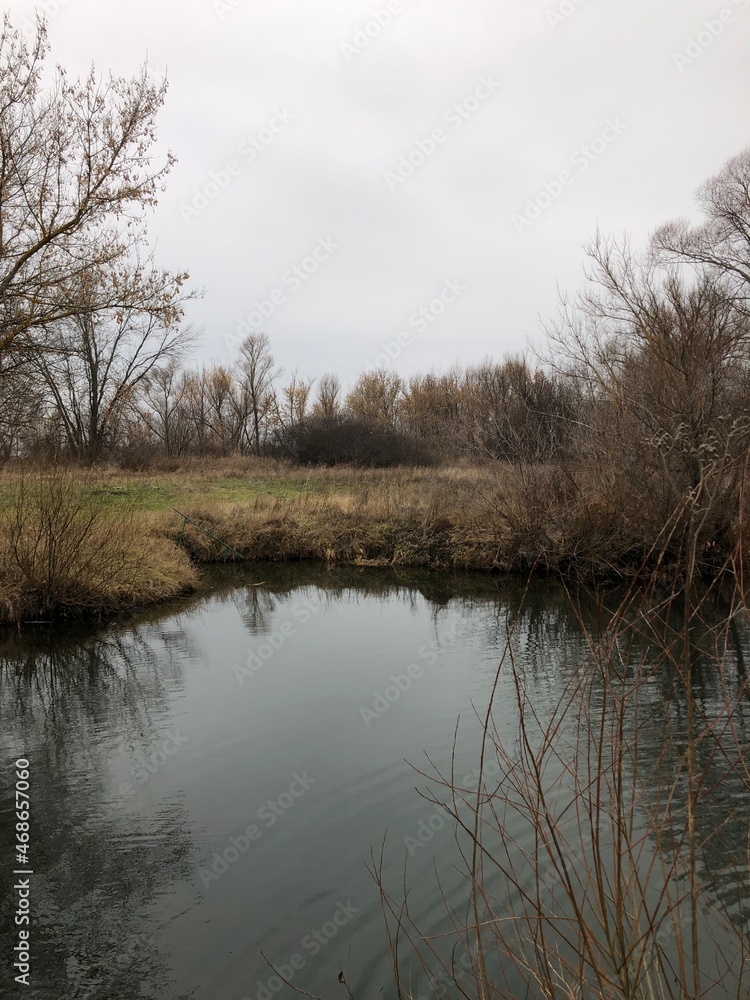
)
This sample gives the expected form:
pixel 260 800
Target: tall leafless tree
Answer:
pixel 166 410
pixel 722 242
pixel 256 373
pixel 93 362
pixel 76 175
pixel 328 397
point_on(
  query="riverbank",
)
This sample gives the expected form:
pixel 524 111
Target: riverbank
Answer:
pixel 82 542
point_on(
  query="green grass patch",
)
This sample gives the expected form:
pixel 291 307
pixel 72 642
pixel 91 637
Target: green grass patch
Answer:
pixel 162 493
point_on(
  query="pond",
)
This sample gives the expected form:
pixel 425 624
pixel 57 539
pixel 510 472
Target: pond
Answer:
pixel 212 783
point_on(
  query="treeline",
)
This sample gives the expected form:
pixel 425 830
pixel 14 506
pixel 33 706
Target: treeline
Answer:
pixel 646 376
pixel 67 405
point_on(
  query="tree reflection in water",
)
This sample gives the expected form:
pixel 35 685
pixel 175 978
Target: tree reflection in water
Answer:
pixel 99 870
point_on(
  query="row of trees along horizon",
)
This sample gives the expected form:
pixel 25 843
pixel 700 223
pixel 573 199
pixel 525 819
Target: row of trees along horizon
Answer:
pixel 646 368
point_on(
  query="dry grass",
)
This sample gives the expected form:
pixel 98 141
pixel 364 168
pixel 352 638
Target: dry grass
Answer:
pixel 493 517
pixel 398 517
pixel 64 550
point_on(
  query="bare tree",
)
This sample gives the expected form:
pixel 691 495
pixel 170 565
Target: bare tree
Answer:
pixel 376 398
pixel 24 406
pixel 76 176
pixel 92 362
pixel 722 242
pixel 293 401
pixel 328 397
pixel 666 361
pixel 516 412
pixel 256 373
pixel 432 410
pixel 291 411
pixel 166 410
pixel 218 400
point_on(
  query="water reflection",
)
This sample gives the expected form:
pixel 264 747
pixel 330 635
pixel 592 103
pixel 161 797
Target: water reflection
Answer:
pixel 712 656
pixel 148 752
pixel 72 707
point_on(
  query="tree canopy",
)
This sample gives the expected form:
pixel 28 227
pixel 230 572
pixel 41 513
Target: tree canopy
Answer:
pixel 77 175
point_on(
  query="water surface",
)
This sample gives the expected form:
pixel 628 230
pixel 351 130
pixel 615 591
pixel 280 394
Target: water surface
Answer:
pixel 209 781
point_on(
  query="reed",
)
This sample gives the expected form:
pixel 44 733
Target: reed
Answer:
pixel 65 549
pixel 632 790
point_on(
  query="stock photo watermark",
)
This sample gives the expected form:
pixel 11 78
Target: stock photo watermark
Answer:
pixel 401 683
pixel 310 946
pixel 291 281
pixel 427 828
pixel 564 12
pixel 580 161
pixel 371 29
pixel 711 30
pixel 268 814
pixel 420 321
pixel 48 9
pixel 144 766
pixel 223 8
pixel 302 612
pixel 247 152
pixel 454 117
pixel 22 872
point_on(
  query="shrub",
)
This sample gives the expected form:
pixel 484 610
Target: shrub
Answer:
pixel 68 547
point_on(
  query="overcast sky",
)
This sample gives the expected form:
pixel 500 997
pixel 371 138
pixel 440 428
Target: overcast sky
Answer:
pixel 344 165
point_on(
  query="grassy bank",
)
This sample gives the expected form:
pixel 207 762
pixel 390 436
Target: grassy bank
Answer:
pixel 77 541
pixel 72 545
